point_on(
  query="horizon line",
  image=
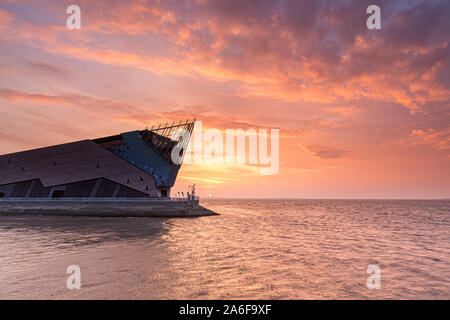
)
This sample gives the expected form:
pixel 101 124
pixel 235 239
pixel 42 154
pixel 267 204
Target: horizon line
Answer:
pixel 290 198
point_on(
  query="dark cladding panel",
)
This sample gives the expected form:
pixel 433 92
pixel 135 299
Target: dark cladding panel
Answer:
pixel 30 189
pixel 37 189
pixel 6 190
pixel 85 188
pixel 106 189
pixel 80 189
pixel 45 152
pixel 125 192
pixel 45 193
pixel 21 189
pixel 46 163
pixel 138 194
pixel 72 190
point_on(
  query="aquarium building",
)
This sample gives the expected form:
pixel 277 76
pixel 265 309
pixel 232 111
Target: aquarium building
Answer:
pixel 136 164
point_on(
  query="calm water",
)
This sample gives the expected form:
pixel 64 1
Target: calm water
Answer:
pixel 256 249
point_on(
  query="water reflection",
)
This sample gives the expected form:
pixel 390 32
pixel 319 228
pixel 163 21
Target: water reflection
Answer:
pixel 259 249
pixel 80 231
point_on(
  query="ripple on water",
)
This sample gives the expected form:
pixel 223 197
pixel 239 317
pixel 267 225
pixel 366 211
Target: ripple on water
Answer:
pixel 257 249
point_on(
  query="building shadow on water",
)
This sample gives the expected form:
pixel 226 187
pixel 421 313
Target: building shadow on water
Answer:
pixel 81 231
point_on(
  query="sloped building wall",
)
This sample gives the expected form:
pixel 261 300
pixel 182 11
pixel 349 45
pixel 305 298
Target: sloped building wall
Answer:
pixel 97 188
pixel 82 162
pixel 132 164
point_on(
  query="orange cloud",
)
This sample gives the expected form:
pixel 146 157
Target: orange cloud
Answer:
pixel 270 62
pixel 437 139
pixel 354 107
pixel 324 152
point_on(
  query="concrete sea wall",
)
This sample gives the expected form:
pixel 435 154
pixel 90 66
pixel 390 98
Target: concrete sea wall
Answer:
pixel 103 207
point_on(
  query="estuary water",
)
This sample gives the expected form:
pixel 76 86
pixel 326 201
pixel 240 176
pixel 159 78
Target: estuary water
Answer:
pixel 256 249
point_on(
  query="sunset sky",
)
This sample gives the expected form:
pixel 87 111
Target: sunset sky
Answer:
pixel 362 113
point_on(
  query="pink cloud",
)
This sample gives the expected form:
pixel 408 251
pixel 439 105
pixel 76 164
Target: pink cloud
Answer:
pixel 334 88
pixel 214 42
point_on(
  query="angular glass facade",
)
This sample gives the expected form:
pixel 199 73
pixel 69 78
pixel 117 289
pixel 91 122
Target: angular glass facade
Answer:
pixel 131 164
